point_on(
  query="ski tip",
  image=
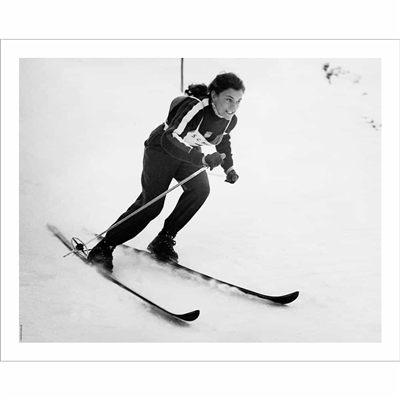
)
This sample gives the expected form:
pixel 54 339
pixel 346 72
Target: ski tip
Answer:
pixel 285 299
pixel 51 227
pixel 289 298
pixel 190 316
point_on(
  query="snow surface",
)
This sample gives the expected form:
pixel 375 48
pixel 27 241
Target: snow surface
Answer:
pixel 304 215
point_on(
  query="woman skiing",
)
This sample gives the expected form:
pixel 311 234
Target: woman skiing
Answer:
pixel 204 116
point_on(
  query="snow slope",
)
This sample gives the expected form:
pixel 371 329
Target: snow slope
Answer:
pixel 305 214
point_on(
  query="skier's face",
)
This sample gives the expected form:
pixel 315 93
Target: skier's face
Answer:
pixel 227 102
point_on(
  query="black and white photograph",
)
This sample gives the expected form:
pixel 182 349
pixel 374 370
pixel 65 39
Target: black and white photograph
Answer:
pixel 199 200
pixel 273 167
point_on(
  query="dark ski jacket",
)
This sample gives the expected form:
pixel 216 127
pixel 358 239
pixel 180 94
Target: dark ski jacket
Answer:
pixel 192 123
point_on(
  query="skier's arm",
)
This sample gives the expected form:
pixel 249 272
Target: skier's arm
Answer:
pixel 187 118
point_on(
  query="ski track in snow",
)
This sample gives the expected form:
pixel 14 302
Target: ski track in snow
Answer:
pixel 304 215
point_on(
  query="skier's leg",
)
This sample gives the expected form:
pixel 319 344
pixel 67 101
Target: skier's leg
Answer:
pixel 195 193
pixel 158 171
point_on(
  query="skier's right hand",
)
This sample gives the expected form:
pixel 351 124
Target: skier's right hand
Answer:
pixel 214 159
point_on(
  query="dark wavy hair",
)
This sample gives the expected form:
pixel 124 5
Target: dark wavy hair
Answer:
pixel 223 81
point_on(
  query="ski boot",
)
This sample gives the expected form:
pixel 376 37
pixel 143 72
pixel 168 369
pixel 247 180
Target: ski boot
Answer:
pixel 101 255
pixel 162 247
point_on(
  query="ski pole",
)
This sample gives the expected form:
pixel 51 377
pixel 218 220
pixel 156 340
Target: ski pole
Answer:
pixel 80 246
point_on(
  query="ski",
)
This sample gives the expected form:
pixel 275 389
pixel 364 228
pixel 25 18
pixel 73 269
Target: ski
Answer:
pixel 282 299
pixel 187 317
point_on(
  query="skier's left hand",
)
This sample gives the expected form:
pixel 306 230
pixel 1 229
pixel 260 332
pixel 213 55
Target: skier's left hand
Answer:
pixel 232 176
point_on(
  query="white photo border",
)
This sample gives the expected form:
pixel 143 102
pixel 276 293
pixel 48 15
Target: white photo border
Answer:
pixel 386 50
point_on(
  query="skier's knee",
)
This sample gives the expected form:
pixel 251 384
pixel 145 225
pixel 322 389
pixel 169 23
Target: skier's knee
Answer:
pixel 155 210
pixel 203 191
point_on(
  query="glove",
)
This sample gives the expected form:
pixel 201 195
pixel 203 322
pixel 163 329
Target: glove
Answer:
pixel 232 176
pixel 214 159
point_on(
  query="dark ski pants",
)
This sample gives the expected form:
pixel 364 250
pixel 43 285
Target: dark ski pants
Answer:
pixel 158 171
